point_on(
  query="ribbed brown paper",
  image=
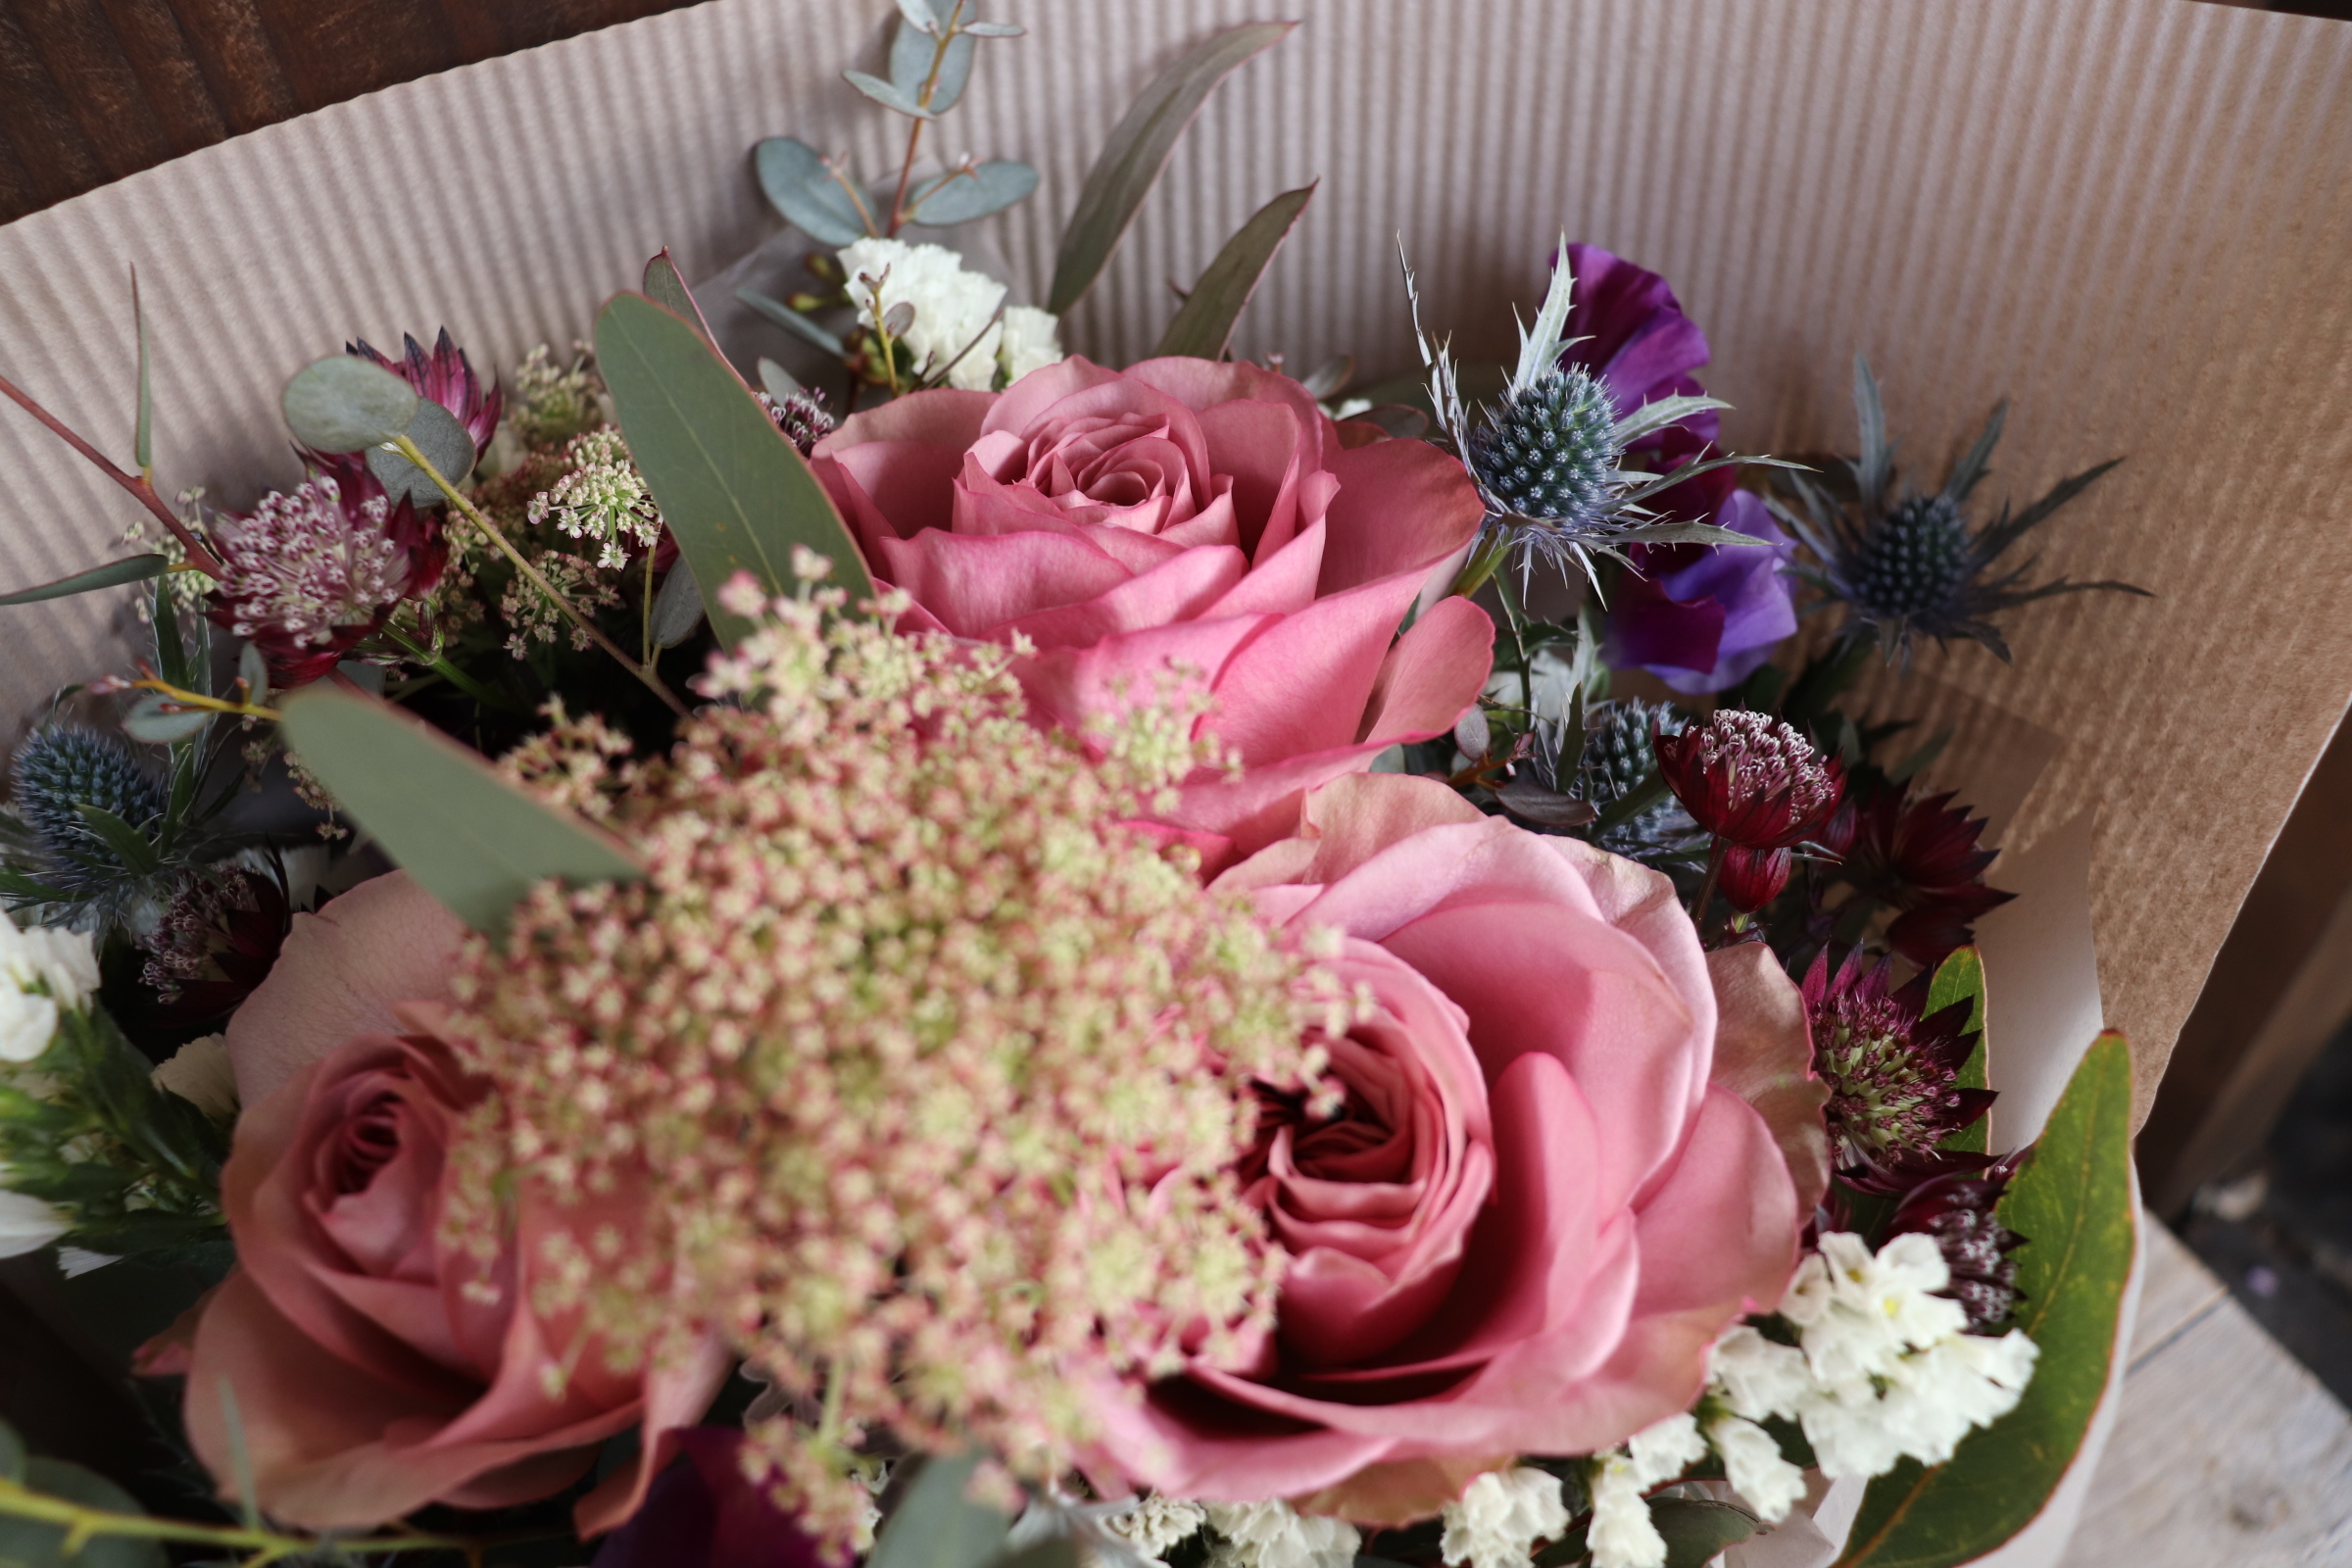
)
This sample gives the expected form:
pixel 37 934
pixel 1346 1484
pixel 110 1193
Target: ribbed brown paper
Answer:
pixel 2132 217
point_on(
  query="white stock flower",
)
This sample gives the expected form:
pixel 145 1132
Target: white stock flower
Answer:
pixel 26 1223
pixel 954 309
pixel 63 962
pixel 1753 1464
pixel 27 1023
pixel 1032 341
pixel 1622 1534
pixel 1759 1377
pixel 1501 1515
pixel 1159 1525
pixel 1274 1535
pixel 1663 1451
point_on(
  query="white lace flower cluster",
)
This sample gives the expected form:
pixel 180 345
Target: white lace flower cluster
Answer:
pixel 602 498
pixel 953 329
pixel 1884 1368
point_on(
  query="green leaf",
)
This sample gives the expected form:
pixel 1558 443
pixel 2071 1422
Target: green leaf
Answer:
pixel 910 67
pixel 1203 327
pixel 2073 1203
pixel 476 842
pixel 128 844
pixel 114 574
pixel 344 403
pixel 12 1453
pixel 142 441
pixel 253 669
pixel 666 288
pixel 886 95
pixel 937 1526
pixel 446 445
pixel 1961 978
pixel 31 1544
pixel 158 721
pixel 677 608
pixel 775 381
pixel 793 322
pixel 1696 1530
pixel 961 195
pixel 799 184
pixel 1138 150
pixel 736 495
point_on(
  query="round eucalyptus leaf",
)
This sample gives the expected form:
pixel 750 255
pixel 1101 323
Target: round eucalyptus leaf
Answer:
pixel 155 719
pixel 344 403
pixel 445 444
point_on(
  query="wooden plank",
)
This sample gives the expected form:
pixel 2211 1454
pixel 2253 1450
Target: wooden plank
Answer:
pixel 2226 1451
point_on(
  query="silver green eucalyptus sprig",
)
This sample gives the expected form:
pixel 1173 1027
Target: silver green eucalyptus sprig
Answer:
pixel 1548 458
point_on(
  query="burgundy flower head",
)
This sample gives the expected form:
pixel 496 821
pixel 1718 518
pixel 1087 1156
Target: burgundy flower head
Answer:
pixel 446 377
pixel 1893 1071
pixel 309 573
pixel 1751 780
pixel 214 944
pixel 1921 855
pixel 1957 1211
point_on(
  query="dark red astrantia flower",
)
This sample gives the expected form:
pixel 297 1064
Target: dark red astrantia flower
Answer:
pixel 446 377
pixel 1923 857
pixel 214 944
pixel 1893 1071
pixel 1751 780
pixel 1958 1212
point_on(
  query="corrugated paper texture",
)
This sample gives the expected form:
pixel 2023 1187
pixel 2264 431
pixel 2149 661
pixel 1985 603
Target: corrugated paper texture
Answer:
pixel 2134 217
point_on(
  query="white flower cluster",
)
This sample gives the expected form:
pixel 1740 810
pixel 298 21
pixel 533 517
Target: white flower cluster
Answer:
pixel 953 327
pixel 1274 1535
pixel 601 497
pixel 42 971
pixel 1622 1534
pixel 1159 1525
pixel 1883 1369
pixel 1500 1517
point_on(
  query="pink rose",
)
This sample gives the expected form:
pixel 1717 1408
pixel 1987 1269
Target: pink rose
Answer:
pixel 1186 514
pixel 376 1366
pixel 1538 1209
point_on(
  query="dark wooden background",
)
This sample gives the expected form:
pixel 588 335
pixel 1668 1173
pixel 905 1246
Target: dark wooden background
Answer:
pixel 91 90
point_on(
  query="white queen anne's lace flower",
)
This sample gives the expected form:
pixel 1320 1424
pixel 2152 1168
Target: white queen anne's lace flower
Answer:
pixel 1501 1515
pixel 1274 1535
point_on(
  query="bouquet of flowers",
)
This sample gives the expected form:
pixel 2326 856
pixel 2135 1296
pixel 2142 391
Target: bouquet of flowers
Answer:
pixel 955 954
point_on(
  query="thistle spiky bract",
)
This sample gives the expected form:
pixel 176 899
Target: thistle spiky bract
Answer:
pixel 1907 565
pixel 1548 459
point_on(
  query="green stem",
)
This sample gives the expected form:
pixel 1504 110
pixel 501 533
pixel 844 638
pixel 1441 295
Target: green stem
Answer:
pixel 645 609
pixel 1481 566
pixel 85 1523
pixel 450 672
pixel 532 574
pixel 1706 887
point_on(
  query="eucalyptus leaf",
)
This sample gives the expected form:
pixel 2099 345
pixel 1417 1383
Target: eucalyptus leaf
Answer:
pixel 1137 151
pixel 963 195
pixel 919 13
pixel 31 1544
pixel 910 54
pixel 677 608
pixel 155 719
pixel 666 288
pixel 995 30
pixel 735 494
pixel 1329 378
pixel 797 183
pixel 1203 327
pixel 776 382
pixel 446 445
pixel 793 322
pixel 114 574
pixel 2073 1203
pixel 142 441
pixel 476 841
pixel 1697 1530
pixel 254 670
pixel 12 1453
pixel 937 1526
pixel 1530 802
pixel 887 94
pixel 344 403
pixel 172 656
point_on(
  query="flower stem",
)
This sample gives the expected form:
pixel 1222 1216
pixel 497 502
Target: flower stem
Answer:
pixel 535 577
pixel 450 672
pixel 915 137
pixel 140 486
pixel 188 699
pixel 1706 887
pixel 1481 566
pixel 83 1524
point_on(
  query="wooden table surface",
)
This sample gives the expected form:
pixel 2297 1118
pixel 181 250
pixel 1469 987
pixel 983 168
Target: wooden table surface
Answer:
pixel 2227 1452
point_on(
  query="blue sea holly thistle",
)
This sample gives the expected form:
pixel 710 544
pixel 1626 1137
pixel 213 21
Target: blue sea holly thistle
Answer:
pixel 1549 456
pixel 1907 565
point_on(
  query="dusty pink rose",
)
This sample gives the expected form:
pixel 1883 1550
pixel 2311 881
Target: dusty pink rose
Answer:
pixel 375 1366
pixel 1181 513
pixel 1538 1209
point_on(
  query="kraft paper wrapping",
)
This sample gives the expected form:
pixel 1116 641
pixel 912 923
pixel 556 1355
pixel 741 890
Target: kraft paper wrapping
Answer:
pixel 2132 217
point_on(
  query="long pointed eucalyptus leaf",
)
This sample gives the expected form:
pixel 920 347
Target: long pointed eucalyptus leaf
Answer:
pixel 476 841
pixel 666 288
pixel 1138 150
pixel 114 574
pixel 735 494
pixel 1203 327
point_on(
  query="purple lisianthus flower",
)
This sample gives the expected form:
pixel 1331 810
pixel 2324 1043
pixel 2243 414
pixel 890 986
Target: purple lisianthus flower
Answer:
pixel 703 1513
pixel 1637 340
